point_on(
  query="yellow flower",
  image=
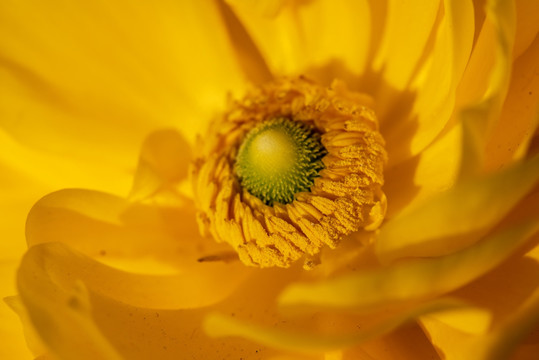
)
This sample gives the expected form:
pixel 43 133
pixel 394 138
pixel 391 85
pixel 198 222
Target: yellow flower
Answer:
pixel 123 272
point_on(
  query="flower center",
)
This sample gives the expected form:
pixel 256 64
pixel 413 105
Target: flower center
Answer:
pixel 259 181
pixel 279 158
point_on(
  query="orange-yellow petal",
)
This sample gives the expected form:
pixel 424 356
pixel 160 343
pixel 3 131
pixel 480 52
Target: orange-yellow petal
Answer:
pixel 452 219
pixel 59 311
pixel 485 83
pixel 102 75
pixel 410 280
pixel 434 88
pixel 296 37
pixel 527 25
pixel 513 315
pixel 195 287
pixel 510 139
pixel 401 52
pixel 163 163
pixel 219 325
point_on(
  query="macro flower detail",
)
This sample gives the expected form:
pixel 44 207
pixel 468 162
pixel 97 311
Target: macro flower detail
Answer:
pixel 279 158
pixel 269 180
pixel 340 187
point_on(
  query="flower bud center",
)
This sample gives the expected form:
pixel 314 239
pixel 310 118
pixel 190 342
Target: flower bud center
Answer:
pixel 279 158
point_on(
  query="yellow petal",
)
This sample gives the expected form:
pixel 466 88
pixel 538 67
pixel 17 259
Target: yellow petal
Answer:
pixel 469 320
pixel 151 238
pixel 16 345
pixel 190 289
pixel 109 228
pixel 485 82
pixel 11 331
pixel 60 312
pixel 140 332
pixel 84 73
pixel 408 26
pixel 251 61
pixel 406 342
pixel 163 163
pixel 315 34
pixel 510 139
pixel 434 87
pixel 414 279
pixel 513 315
pixel 36 172
pixel 438 226
pixel 431 172
pixel 527 25
pixel 219 325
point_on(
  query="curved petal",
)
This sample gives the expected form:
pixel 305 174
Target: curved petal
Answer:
pixel 164 238
pixel 193 288
pixel 485 83
pixel 14 345
pixel 37 172
pixel 414 279
pixel 435 85
pixel 49 290
pixel 295 37
pixel 163 163
pixel 427 174
pixel 401 344
pixel 58 313
pixel 431 228
pixel 514 314
pixel 409 26
pixel 527 26
pixel 251 61
pixel 510 138
pixel 218 325
pixel 23 344
pixel 80 74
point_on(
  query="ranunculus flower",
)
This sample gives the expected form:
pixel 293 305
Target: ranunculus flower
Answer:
pixel 448 270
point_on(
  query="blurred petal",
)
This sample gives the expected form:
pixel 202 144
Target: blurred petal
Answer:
pixel 14 345
pixel 21 349
pixel 59 312
pixel 401 51
pixel 218 325
pixel 173 332
pixel 37 172
pixel 196 287
pixel 26 176
pixel 437 80
pixel 163 163
pixel 527 25
pixel 431 228
pixel 251 61
pixel 115 68
pixel 401 344
pixel 513 314
pixel 154 238
pixel 414 279
pixel 431 172
pixel 298 36
pixel 485 83
pixel 510 138
pixel 468 319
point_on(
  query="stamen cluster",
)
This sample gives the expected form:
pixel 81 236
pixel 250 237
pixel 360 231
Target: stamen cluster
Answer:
pixel 345 195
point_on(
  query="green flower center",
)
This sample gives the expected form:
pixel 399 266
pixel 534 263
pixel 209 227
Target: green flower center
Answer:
pixel 279 158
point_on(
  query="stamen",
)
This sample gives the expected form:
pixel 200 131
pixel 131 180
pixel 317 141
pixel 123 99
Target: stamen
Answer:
pixel 278 159
pixel 292 168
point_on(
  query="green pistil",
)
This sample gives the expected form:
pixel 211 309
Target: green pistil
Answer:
pixel 279 158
